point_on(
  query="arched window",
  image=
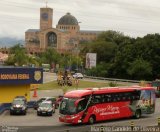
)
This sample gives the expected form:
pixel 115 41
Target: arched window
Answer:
pixel 52 39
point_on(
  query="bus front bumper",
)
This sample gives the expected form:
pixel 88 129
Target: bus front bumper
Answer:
pixel 73 119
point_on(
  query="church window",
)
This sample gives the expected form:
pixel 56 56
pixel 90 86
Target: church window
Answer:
pixel 52 39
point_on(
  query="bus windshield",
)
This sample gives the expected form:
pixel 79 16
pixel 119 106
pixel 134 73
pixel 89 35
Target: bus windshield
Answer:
pixel 67 106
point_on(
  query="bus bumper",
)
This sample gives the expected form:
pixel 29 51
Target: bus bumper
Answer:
pixel 70 119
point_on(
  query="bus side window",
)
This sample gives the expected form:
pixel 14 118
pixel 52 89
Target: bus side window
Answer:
pixel 96 99
pixel 123 97
pixel 134 96
pixel 103 98
pixel 129 96
pixel 114 98
pixel 107 98
pixel 138 95
pixel 118 97
pixel 82 105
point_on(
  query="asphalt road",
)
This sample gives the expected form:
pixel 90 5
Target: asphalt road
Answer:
pixel 33 123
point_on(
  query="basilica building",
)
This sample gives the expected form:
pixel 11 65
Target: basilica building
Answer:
pixel 64 38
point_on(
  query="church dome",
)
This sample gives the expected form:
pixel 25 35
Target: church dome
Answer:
pixel 68 19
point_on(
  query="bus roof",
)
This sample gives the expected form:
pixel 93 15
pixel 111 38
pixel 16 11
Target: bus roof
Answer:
pixel 88 91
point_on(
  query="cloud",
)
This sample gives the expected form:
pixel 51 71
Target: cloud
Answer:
pixel 133 17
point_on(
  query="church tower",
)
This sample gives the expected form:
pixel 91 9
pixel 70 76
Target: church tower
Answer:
pixel 46 15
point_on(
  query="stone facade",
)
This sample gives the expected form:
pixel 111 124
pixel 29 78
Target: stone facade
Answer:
pixel 64 38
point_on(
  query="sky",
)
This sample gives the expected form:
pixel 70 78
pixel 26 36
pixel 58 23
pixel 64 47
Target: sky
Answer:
pixel 134 18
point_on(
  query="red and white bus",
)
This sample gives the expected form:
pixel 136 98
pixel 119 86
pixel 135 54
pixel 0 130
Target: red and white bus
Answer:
pixel 92 105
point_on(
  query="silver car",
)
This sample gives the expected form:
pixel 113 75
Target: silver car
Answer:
pixel 46 108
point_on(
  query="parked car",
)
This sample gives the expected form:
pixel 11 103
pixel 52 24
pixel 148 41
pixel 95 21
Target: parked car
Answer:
pixel 18 106
pixel 38 102
pixel 78 75
pixel 46 107
pixel 21 97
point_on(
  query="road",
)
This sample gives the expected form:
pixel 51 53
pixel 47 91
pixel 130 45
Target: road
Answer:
pixel 47 77
pixel 33 123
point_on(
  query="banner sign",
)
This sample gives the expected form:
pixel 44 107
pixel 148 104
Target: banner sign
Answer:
pixel 91 60
pixel 21 75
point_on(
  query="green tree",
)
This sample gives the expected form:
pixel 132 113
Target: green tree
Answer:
pixel 50 56
pixel 34 60
pixel 140 69
pixel 10 61
pixel 17 56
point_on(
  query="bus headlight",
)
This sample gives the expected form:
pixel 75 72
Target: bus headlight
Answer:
pixel 73 117
pixel 79 121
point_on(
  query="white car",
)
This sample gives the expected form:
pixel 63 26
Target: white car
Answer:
pixel 78 75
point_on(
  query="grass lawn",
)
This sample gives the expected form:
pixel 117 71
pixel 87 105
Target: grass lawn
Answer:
pixel 82 84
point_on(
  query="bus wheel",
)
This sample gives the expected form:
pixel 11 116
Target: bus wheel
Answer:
pixel 137 114
pixel 92 119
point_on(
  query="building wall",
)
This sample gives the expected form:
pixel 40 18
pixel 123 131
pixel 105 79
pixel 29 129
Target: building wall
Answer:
pixel 32 40
pixel 87 36
pixel 72 29
pixel 9 92
pixel 66 39
pixel 61 38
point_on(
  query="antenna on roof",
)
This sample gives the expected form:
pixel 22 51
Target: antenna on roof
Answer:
pixel 46 3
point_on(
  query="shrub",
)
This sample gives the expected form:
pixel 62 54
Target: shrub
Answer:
pixel 112 84
pixel 143 83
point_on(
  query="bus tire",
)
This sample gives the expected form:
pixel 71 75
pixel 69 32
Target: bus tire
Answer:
pixel 137 114
pixel 92 119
